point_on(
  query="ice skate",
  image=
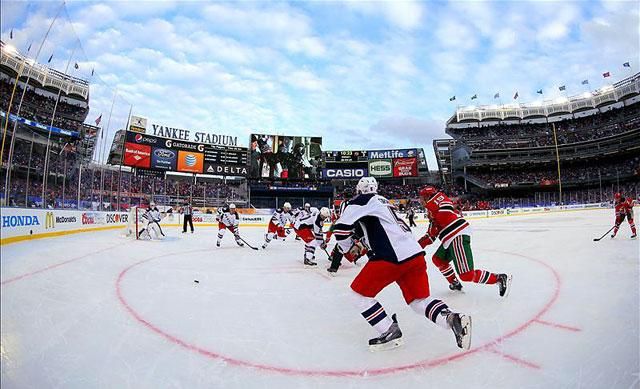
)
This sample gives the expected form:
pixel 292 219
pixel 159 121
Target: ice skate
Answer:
pixel 390 339
pixel 333 271
pixel 218 243
pixel 461 327
pixel 633 236
pixel 309 263
pixel 456 285
pixel 504 284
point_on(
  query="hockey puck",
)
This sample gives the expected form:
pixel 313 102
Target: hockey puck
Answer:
pixel 196 281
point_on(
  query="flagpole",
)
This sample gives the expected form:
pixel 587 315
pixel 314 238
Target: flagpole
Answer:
pixel 555 141
pixel 7 181
pixel 122 156
pixel 113 102
pixel 45 176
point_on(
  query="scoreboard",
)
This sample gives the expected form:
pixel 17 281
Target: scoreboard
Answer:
pixel 153 153
pixel 353 164
pixel 226 155
pixel 345 156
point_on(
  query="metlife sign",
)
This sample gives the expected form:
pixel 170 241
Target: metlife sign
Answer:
pixel 344 173
pixel 389 154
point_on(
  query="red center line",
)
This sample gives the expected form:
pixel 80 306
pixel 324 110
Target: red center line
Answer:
pixel 428 363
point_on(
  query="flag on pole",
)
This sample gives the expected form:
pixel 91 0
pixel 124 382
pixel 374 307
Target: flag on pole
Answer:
pixel 563 87
pixel 539 91
pixel 496 95
pixel 98 120
pixel 626 65
pixel 11 34
pixel 474 97
pixel 50 58
pixel 585 82
pixel 92 70
pixel 606 74
pixel 76 66
pixel 29 48
pixel 515 97
pixel 452 98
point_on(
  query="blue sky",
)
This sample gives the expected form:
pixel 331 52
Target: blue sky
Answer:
pixel 361 74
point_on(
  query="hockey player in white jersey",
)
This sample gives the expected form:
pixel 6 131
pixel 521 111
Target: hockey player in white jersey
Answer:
pixel 151 217
pixel 279 220
pixel 297 214
pixel 394 256
pixel 228 219
pixel 309 229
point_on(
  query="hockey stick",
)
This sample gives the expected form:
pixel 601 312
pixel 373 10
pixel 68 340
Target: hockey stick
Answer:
pixel 245 242
pixel 605 234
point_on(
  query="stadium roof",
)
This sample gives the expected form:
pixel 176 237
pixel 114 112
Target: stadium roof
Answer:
pixel 565 105
pixel 47 77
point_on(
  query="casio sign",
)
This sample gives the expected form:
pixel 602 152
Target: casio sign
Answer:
pixel 344 173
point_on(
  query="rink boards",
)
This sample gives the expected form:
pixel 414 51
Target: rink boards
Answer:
pixel 20 224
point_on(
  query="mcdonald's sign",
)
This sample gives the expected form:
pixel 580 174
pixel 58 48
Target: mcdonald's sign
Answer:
pixel 49 221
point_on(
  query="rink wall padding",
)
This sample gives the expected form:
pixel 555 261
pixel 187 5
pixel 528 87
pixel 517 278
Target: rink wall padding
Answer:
pixel 21 224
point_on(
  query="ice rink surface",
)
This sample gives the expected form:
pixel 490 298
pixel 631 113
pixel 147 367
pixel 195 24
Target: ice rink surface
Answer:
pixel 97 310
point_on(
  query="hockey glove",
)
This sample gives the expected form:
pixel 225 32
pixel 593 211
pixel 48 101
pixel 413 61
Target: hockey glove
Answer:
pixel 425 241
pixel 356 251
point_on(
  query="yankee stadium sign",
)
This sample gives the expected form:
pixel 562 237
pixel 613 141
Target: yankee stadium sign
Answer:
pixel 193 136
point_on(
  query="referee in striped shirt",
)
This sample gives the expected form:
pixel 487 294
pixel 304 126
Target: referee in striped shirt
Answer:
pixel 187 211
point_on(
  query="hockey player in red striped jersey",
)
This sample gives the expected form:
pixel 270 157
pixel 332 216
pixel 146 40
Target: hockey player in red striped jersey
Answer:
pixel 394 257
pixel 624 209
pixel 454 233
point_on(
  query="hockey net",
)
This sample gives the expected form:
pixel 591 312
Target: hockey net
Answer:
pixel 134 223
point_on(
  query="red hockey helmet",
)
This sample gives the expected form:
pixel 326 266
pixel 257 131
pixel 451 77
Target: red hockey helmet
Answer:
pixel 617 196
pixel 427 192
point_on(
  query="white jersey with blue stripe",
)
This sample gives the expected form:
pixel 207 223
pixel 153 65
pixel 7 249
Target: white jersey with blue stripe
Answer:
pixel 388 236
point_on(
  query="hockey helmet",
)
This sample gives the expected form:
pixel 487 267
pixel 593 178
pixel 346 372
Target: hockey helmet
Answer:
pixel 325 213
pixel 232 206
pixel 307 207
pixel 152 204
pixel 367 185
pixel 428 192
pixel 286 206
pixel 617 196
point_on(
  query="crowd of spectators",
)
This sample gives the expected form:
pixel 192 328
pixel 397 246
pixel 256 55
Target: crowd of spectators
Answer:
pixel 95 184
pixel 39 107
pixel 548 175
pixel 506 136
pixel 389 191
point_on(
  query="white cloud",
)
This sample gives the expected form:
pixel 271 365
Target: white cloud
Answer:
pixel 306 80
pixel 406 15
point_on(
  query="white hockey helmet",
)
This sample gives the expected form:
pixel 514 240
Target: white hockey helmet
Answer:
pixel 232 206
pixel 325 213
pixel 286 206
pixel 307 206
pixel 152 204
pixel 367 185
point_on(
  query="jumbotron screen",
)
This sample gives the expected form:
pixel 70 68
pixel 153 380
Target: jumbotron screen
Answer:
pixel 143 151
pixel 285 157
